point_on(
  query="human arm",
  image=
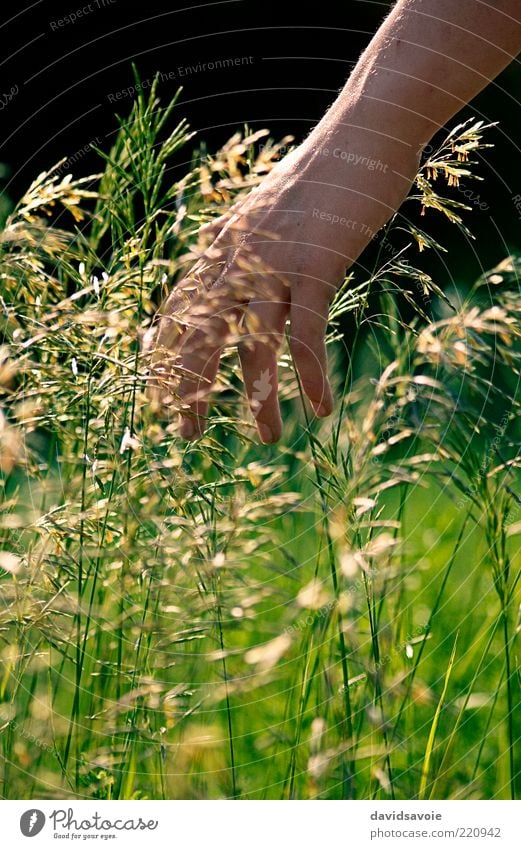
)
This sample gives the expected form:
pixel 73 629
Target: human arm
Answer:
pixel 323 203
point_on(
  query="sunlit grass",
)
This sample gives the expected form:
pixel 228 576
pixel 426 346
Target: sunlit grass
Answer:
pixel 331 617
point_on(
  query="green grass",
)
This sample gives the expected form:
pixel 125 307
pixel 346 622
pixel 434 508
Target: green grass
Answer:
pixel 331 617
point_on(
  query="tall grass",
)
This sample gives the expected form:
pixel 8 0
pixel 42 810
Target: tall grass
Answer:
pixel 222 620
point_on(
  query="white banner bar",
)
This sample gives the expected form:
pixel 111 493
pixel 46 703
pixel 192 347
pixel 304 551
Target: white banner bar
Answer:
pixel 261 825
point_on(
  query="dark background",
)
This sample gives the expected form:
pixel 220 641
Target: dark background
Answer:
pixel 68 75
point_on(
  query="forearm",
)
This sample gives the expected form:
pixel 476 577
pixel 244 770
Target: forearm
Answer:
pixel 427 60
pixel 315 212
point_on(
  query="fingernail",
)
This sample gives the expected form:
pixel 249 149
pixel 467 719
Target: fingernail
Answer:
pixel 321 408
pixel 265 433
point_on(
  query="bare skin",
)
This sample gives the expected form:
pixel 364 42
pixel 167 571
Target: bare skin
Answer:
pixel 282 253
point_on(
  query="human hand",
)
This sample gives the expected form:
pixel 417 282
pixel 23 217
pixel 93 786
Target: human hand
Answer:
pixel 277 256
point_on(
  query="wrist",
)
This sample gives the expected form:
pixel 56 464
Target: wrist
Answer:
pixel 374 170
pixel 351 183
pixel 369 128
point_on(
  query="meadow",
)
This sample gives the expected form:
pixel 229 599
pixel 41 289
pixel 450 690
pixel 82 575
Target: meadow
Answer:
pixel 331 617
